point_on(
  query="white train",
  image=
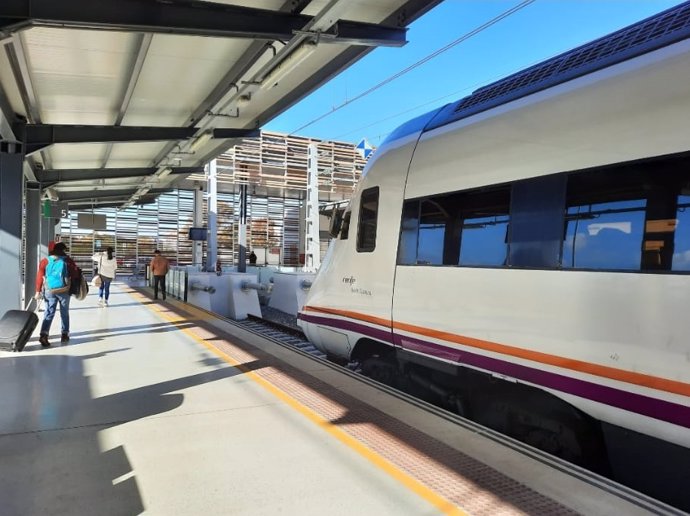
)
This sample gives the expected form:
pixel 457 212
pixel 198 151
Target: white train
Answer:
pixel 524 254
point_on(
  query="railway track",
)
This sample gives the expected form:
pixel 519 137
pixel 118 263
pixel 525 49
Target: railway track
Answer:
pixel 281 334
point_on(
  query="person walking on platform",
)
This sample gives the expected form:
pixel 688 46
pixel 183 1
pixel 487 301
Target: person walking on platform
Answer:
pixel 107 265
pixel 159 268
pixel 53 280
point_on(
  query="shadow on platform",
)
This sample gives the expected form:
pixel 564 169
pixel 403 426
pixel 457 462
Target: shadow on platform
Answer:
pixel 55 458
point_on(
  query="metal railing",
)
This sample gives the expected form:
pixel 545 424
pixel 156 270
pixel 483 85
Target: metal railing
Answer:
pixel 175 282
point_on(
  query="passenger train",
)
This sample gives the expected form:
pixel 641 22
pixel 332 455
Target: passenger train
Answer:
pixel 523 256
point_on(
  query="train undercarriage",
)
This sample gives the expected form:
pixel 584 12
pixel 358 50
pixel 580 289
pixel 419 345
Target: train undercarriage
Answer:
pixel 535 417
pixel 525 413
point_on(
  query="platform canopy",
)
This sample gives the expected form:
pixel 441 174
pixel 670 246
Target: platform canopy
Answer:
pixel 116 100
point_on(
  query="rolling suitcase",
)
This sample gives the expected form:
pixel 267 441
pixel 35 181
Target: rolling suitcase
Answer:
pixel 16 327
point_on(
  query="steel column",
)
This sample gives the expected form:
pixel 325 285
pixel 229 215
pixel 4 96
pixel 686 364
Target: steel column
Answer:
pixel 312 249
pixel 198 249
pixel 212 243
pixel 242 240
pixel 47 234
pixel 33 239
pixel 11 185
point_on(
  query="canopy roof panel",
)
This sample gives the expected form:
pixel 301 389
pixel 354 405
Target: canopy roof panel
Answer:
pixel 155 86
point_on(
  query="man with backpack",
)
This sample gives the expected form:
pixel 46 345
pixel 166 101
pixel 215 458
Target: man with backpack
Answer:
pixel 55 275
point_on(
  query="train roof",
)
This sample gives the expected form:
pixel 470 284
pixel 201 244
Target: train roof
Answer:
pixel 663 29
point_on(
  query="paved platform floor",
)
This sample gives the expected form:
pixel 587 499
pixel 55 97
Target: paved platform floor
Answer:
pixel 133 415
pixel 143 413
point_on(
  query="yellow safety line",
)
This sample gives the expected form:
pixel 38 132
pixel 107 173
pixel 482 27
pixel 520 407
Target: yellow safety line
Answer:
pixel 443 504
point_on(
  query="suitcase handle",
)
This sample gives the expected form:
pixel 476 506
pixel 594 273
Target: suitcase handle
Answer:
pixel 38 304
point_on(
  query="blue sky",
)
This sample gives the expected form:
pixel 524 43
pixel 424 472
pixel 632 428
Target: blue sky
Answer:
pixel 536 32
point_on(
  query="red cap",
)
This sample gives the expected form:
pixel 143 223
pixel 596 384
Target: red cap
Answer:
pixel 51 245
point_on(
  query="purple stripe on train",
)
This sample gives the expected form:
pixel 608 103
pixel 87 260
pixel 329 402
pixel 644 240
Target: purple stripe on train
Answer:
pixel 640 404
pixel 382 335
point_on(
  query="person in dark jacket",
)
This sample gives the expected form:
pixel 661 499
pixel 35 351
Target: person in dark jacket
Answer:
pixel 53 299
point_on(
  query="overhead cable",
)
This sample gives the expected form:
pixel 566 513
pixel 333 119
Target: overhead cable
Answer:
pixel 465 37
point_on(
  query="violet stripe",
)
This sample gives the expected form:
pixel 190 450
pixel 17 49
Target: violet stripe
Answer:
pixel 652 407
pixel 638 403
pixel 385 336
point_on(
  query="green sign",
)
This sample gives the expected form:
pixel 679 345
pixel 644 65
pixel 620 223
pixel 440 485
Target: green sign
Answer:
pixel 55 210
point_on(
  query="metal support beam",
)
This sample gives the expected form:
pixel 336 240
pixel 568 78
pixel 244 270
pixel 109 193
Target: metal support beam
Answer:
pixel 137 64
pixel 39 136
pixel 47 234
pixel 53 176
pixel 187 17
pixel 236 133
pixel 242 255
pixel 22 75
pixel 312 247
pixel 97 195
pixel 7 118
pixel 20 69
pixel 116 202
pixel 33 239
pixel 212 243
pixel 198 249
pixel 88 204
pixel 11 185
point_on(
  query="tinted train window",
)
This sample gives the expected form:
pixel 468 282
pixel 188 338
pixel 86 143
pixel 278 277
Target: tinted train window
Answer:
pixel 485 218
pixel 368 214
pixel 345 230
pixel 407 250
pixel 433 221
pixel 604 235
pixel 681 230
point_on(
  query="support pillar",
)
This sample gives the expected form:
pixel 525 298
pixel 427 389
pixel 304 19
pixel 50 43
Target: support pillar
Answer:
pixel 34 220
pixel 212 242
pixel 312 248
pixel 242 255
pixel 198 249
pixel 11 185
pixel 47 234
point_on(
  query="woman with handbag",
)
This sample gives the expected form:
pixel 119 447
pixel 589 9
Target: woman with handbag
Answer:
pixel 107 265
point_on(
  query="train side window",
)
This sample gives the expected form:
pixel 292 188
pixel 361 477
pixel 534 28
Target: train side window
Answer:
pixel 485 219
pixel 409 229
pixel 368 215
pixel 681 243
pixel 433 223
pixel 604 235
pixel 345 229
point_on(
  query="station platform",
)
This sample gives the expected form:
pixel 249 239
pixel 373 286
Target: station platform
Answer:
pixel 160 408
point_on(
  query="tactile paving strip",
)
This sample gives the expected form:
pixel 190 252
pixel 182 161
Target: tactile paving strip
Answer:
pixel 470 484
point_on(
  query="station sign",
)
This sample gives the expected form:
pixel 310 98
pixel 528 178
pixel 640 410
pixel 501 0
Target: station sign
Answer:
pixel 55 209
pixel 91 221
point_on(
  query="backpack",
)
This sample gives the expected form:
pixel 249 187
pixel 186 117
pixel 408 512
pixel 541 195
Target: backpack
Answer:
pixel 79 287
pixel 57 275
